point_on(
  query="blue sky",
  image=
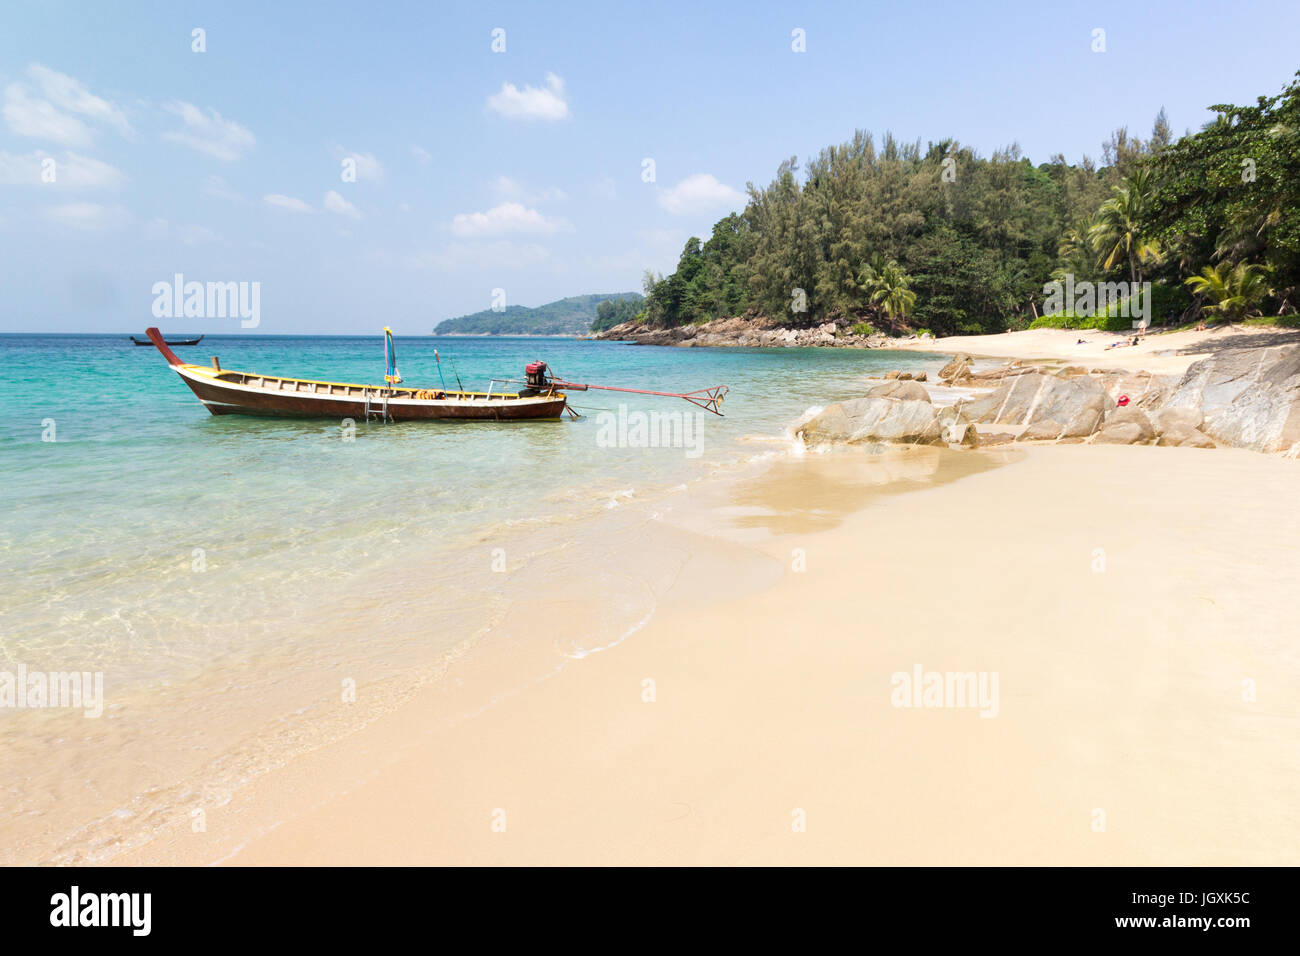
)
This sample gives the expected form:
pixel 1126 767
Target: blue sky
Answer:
pixel 519 170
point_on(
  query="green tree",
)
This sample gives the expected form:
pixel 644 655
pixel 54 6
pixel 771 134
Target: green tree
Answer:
pixel 1122 232
pixel 1234 291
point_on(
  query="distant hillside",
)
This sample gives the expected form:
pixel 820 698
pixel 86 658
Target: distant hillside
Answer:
pixel 571 316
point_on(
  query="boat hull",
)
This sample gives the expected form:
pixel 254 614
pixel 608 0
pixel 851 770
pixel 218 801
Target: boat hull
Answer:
pixel 235 393
pixel 146 343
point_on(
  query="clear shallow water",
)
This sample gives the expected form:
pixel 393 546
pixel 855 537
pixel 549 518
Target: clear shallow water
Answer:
pixel 100 529
pixel 197 560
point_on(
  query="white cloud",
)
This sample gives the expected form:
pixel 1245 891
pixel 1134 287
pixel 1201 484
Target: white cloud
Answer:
pixel 507 188
pixel 368 168
pixel 84 172
pixel 336 203
pixel 286 202
pixel 86 215
pixel 71 172
pixel 422 155
pixel 38 118
pixel 218 188
pixel 209 132
pixel 60 110
pixel 532 102
pixel 699 193
pixel 507 218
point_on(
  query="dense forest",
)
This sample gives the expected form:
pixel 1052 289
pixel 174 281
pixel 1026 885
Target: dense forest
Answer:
pixel 897 237
pixel 571 316
pixel 614 312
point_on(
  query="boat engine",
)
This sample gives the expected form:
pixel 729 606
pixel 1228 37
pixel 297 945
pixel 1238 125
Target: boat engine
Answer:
pixel 535 374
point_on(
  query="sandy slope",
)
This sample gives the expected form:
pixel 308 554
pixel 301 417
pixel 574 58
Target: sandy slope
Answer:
pixel 1122 595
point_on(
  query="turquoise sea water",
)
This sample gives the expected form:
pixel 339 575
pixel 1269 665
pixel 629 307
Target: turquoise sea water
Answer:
pixel 101 525
pixel 192 557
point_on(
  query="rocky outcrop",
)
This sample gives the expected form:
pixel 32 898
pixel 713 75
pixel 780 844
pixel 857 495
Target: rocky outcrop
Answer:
pixel 749 331
pixel 896 412
pixel 874 420
pixel 902 389
pixel 1249 398
pixel 1049 407
pixel 960 360
pixel 1126 426
pixel 955 428
pixel 1246 398
pixel 1184 418
pixel 1180 426
pixel 989 378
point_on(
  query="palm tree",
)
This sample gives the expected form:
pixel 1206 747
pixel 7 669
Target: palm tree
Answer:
pixel 1235 291
pixel 888 287
pixel 1120 231
pixel 1078 252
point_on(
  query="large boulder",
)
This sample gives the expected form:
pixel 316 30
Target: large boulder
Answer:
pixel 960 360
pixel 908 391
pixel 1076 404
pixel 875 419
pixel 1008 404
pixel 1184 418
pixel 1050 407
pixel 955 428
pixel 1126 426
pixel 1250 398
pixel 1182 436
pixel 1121 433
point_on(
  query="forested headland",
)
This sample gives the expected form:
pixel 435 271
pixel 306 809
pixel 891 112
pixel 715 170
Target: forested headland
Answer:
pixel 894 237
pixel 573 315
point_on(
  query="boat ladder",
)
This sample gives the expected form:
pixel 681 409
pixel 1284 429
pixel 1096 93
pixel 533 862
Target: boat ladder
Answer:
pixel 381 413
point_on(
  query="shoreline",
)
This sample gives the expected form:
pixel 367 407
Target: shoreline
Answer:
pixel 1120 690
pixel 1159 352
pixel 711 578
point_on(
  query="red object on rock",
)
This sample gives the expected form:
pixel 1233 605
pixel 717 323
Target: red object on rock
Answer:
pixel 1122 401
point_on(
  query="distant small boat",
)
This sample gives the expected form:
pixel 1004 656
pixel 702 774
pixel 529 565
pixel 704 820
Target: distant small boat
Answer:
pixel 169 341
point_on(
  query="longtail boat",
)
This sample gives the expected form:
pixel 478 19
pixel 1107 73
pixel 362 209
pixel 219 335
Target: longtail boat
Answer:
pixel 169 341
pixel 227 392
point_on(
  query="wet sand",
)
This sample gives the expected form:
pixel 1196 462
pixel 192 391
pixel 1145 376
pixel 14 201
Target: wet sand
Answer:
pixel 1134 604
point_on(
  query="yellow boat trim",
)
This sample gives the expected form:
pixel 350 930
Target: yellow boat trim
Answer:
pixel 211 372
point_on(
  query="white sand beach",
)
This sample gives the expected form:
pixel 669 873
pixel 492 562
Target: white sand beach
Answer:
pixel 1158 352
pixel 1133 603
